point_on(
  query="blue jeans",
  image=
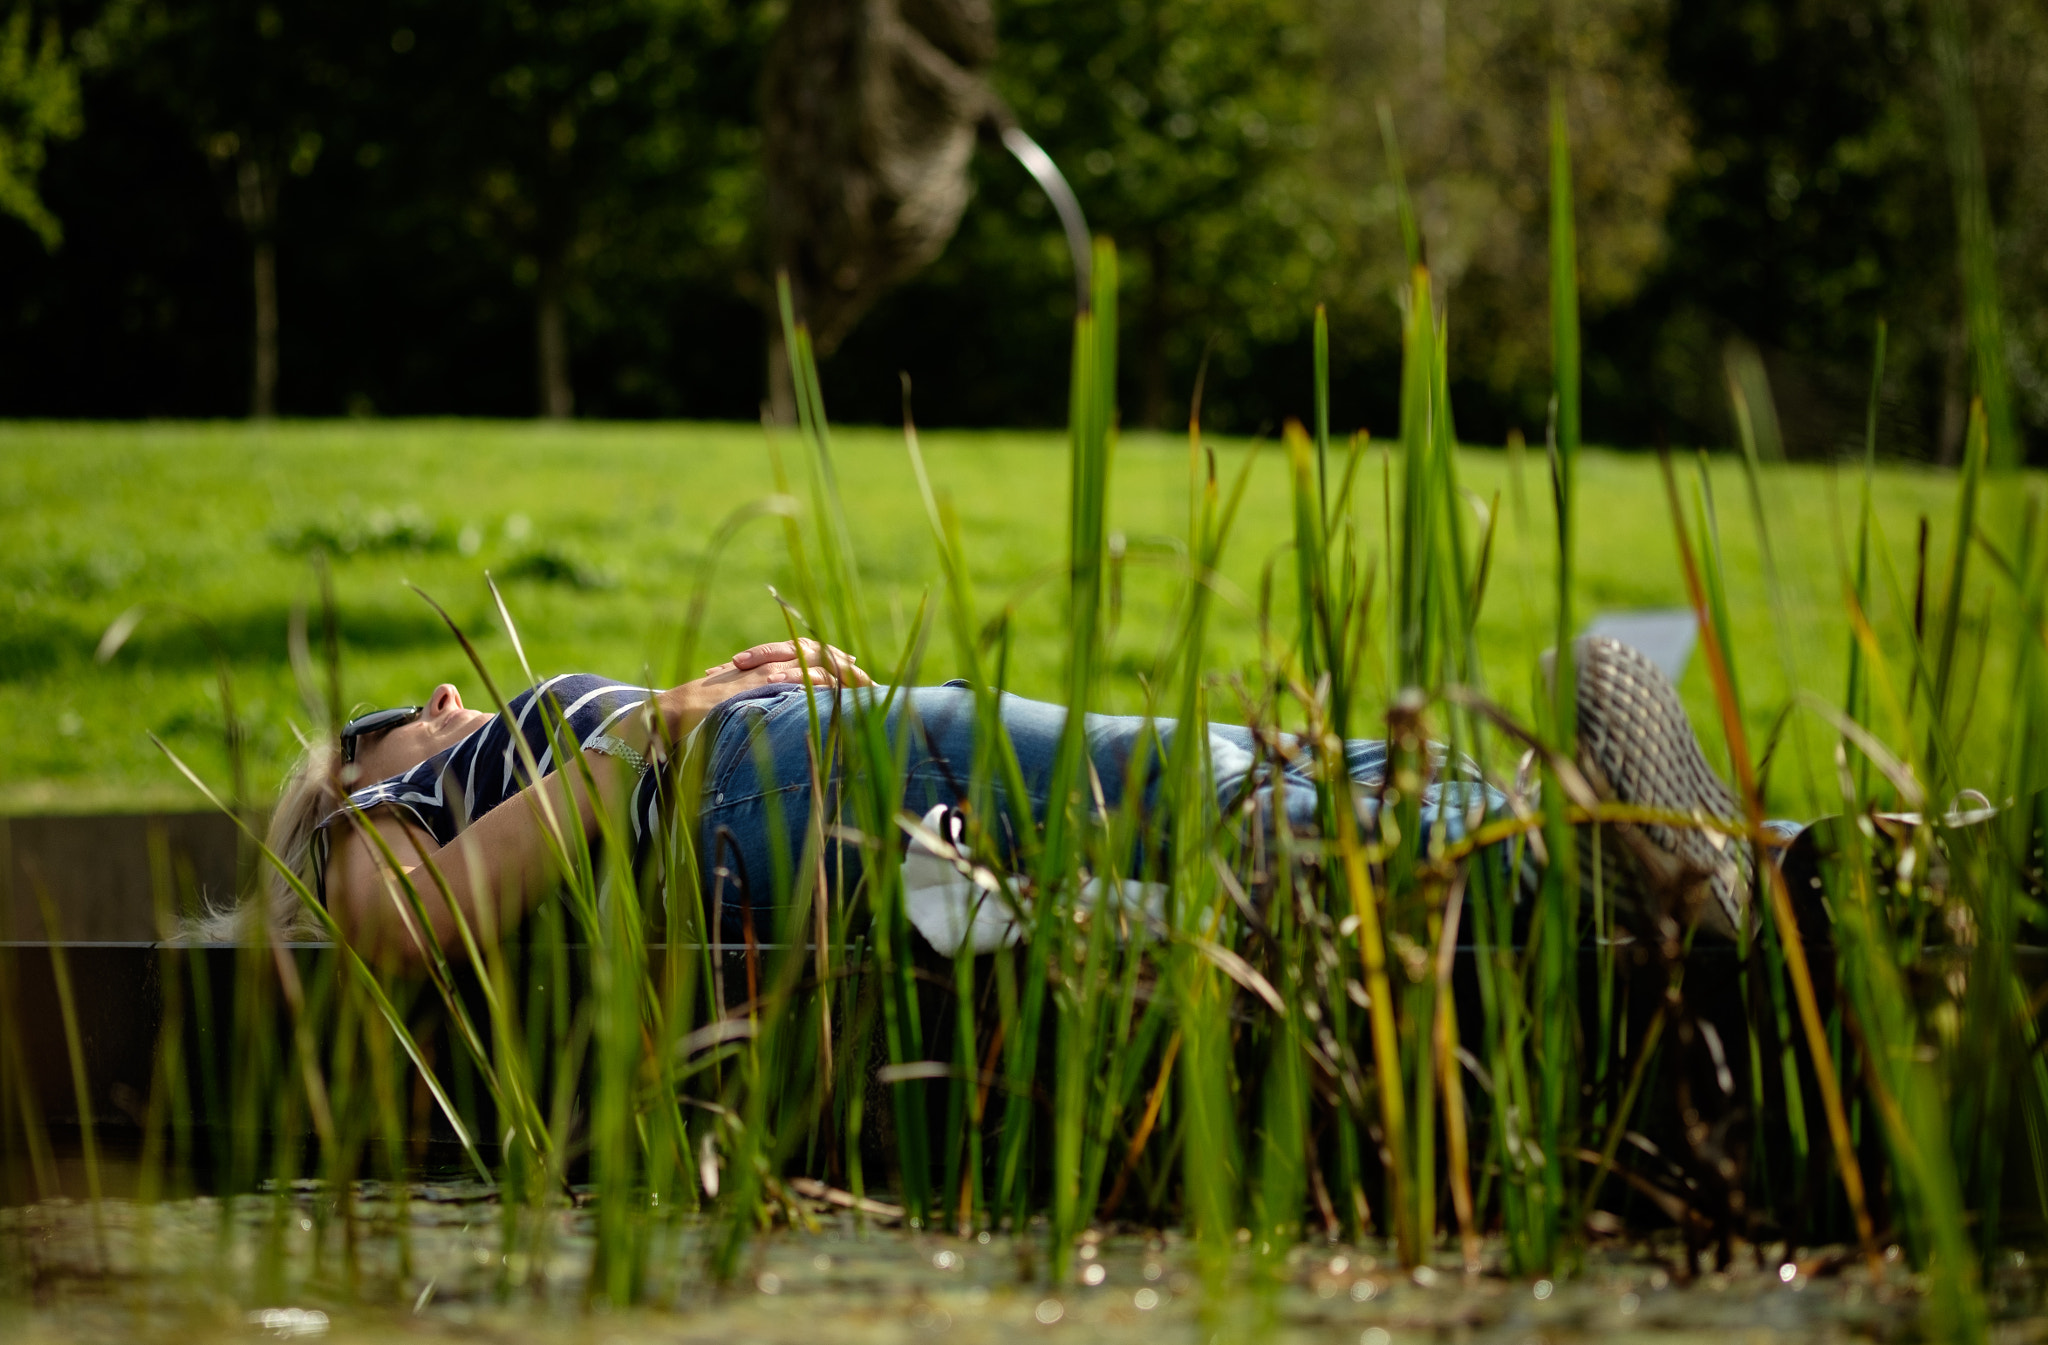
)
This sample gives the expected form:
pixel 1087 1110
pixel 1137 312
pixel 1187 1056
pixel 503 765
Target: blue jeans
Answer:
pixel 759 765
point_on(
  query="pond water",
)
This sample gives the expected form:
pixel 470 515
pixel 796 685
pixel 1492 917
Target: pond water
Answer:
pixel 434 1265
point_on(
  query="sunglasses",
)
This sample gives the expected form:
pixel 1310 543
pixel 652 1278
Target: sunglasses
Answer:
pixel 377 721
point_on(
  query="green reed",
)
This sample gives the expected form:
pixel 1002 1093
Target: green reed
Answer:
pixel 1548 1085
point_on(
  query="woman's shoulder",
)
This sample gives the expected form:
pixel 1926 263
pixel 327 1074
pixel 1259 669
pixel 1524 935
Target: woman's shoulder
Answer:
pixel 462 782
pixel 583 703
pixel 571 691
pixel 432 793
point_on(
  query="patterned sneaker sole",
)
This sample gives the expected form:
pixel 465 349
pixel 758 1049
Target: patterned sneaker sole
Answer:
pixel 1636 746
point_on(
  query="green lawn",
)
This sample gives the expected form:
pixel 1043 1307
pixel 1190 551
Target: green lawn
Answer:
pixel 598 530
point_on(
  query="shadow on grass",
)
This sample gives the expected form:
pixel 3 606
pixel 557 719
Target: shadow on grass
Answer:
pixel 34 644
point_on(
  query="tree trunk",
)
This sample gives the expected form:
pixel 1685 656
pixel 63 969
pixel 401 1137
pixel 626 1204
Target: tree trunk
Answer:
pixel 551 344
pixel 870 115
pixel 1955 396
pixel 256 200
pixel 263 379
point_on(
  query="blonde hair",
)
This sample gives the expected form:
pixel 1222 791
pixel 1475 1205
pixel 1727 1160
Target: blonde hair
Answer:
pixel 311 793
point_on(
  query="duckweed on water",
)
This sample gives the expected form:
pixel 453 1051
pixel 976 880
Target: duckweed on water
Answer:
pixel 180 1272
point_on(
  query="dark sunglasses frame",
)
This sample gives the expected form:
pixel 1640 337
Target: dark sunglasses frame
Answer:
pixel 377 721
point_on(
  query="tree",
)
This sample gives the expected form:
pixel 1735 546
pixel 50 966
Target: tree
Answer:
pixel 38 104
pixel 251 87
pixel 556 127
pixel 870 110
pixel 478 207
pixel 1466 95
pixel 1817 202
pixel 1186 125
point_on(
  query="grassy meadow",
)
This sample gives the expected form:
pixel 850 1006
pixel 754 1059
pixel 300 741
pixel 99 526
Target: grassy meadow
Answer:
pixel 599 531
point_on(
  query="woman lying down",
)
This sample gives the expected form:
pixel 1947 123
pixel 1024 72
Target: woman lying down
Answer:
pixel 444 785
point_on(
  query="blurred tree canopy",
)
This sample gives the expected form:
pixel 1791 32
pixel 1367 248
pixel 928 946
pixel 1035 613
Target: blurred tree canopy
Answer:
pixel 38 104
pixel 1466 89
pixel 1186 127
pixel 871 109
pixel 528 206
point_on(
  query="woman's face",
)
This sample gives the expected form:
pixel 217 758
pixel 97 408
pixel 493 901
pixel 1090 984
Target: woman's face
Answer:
pixel 446 721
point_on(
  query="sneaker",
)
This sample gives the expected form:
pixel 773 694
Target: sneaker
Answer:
pixel 1636 746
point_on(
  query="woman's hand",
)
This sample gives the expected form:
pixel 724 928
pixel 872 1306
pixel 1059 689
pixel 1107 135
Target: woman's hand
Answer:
pixel 784 661
pixel 780 663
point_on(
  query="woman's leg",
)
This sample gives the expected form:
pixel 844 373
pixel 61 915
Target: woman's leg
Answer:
pixel 757 804
pixel 757 797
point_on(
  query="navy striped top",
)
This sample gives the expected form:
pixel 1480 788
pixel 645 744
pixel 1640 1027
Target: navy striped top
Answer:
pixel 456 786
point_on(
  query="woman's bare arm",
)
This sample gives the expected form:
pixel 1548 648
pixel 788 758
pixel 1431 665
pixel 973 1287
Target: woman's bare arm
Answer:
pixel 506 859
pixel 493 870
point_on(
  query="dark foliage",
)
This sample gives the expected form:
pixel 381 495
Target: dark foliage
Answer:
pixel 442 173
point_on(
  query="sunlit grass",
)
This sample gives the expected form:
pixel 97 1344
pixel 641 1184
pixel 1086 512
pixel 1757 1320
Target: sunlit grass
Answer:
pixel 187 519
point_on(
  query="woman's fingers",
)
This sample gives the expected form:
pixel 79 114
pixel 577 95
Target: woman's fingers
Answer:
pixel 783 662
pixel 775 651
pixel 818 677
pixel 788 651
pixel 793 651
pixel 731 681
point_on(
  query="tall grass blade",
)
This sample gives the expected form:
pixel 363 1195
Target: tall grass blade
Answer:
pixel 1856 698
pixel 360 969
pixel 1779 902
pixel 1404 206
pixel 1977 245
